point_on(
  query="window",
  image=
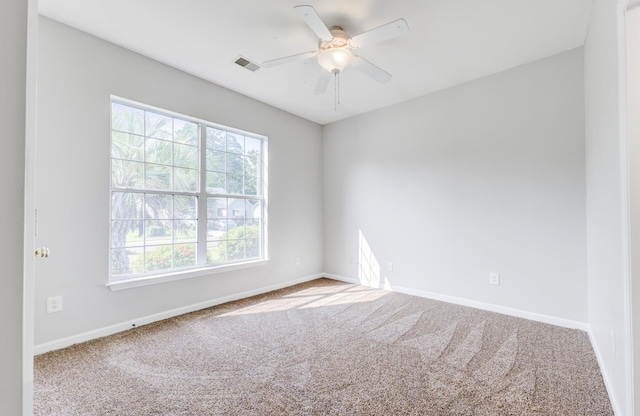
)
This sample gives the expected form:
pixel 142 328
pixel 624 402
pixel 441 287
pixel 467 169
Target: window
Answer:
pixel 185 194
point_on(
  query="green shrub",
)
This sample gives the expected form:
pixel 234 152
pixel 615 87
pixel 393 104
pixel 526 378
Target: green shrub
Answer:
pixel 237 238
pixel 160 258
pixel 156 231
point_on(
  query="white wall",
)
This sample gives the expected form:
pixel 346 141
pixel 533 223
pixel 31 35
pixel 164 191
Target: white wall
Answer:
pixel 606 201
pixel 13 48
pixel 77 74
pixel 484 177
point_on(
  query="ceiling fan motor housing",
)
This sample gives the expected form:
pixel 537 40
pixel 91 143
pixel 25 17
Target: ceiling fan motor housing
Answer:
pixel 340 39
pixel 335 54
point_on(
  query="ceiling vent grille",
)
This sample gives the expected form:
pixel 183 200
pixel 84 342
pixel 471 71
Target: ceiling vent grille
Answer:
pixel 245 63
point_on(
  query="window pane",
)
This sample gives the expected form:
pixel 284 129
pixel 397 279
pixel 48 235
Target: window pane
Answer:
pixel 126 205
pixel 234 184
pixel 184 255
pixel 185 180
pixel 215 160
pixel 235 164
pixel 252 248
pixel 216 251
pixel 127 119
pixel 215 183
pixel 185 231
pixel 237 231
pixel 215 229
pixel 250 166
pixel 235 143
pixel 158 126
pixel 127 146
pixel 136 259
pixel 216 139
pixel 158 177
pixel 253 208
pixel 126 174
pixel 237 208
pixel 252 146
pixel 158 258
pixel 127 233
pixel 235 250
pixel 185 207
pixel 119 262
pixel 158 206
pixel 217 214
pixel 185 156
pixel 158 151
pixel 216 208
pixel 252 229
pixel 185 132
pixel 126 261
pixel 250 176
pixel 158 231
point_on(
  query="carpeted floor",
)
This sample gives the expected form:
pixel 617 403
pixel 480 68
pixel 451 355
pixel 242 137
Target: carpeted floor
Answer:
pixel 328 348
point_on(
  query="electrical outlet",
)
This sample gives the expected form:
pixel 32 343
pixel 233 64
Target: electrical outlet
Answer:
pixel 390 266
pixel 297 261
pixel 494 278
pixel 350 260
pixel 54 304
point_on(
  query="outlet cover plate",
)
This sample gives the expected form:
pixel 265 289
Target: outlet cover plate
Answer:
pixel 54 304
pixel 494 278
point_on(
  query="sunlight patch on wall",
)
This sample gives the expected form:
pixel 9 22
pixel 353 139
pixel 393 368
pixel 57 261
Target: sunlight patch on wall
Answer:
pixel 369 271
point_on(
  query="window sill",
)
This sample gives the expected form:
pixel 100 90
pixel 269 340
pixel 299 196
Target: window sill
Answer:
pixel 170 277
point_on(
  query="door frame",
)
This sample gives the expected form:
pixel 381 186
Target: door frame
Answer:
pixel 28 304
pixel 630 94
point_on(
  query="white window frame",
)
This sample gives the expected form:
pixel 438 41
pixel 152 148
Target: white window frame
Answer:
pixel 202 268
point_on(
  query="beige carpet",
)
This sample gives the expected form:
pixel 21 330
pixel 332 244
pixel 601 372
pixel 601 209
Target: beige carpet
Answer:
pixel 328 348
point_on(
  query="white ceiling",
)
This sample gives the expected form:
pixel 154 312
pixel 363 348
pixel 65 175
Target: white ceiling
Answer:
pixel 450 42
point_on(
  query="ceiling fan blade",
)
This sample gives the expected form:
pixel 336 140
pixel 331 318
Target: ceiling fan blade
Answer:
pixel 323 81
pixel 370 70
pixel 312 20
pixel 289 59
pixel 380 34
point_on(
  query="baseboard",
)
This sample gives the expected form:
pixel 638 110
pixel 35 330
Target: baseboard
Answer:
pixel 566 323
pixel 607 382
pixel 342 278
pixel 123 326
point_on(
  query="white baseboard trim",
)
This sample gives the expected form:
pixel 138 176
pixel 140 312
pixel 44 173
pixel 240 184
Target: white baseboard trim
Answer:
pixel 123 326
pixel 342 278
pixel 607 382
pixel 553 320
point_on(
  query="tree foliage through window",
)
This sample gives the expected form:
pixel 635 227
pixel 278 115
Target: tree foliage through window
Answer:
pixel 156 189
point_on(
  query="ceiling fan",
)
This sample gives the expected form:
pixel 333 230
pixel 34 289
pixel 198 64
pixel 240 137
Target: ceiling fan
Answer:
pixel 337 50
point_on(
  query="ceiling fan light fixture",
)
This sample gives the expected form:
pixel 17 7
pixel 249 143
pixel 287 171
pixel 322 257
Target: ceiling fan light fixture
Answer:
pixel 335 59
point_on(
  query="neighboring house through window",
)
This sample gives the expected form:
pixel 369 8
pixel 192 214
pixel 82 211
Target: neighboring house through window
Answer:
pixel 174 180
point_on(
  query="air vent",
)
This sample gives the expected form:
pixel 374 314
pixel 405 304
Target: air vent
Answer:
pixel 245 63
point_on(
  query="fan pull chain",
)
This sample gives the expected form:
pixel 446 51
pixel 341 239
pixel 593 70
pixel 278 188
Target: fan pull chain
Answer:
pixel 336 89
pixel 338 78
